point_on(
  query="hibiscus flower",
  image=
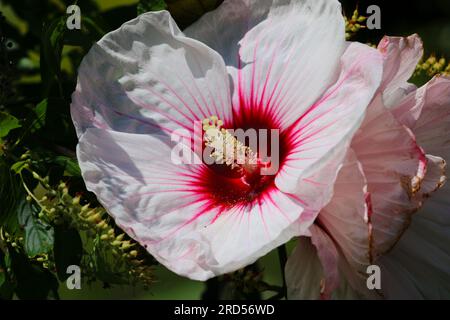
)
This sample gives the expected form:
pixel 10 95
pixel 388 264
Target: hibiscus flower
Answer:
pixel 380 213
pixel 272 64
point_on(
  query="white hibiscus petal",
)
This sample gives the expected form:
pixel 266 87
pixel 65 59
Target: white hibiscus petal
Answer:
pixel 312 269
pixel 321 136
pixel 329 258
pixel 429 104
pixel 273 48
pixel 424 246
pixel 163 207
pixel 432 127
pixel 149 197
pixel 394 166
pixel 148 77
pixel 435 177
pixel 304 272
pixel 419 265
pixel 401 56
pixel 347 217
pixel 239 236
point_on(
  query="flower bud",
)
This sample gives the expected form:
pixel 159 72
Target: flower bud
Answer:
pixel 133 253
pixel 120 237
pixel 76 200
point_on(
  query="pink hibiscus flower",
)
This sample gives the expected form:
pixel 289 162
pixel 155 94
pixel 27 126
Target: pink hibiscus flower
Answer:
pixel 395 163
pixel 275 64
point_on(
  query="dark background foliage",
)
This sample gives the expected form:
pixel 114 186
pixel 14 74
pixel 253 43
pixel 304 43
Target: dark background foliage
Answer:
pixel 38 62
pixel 428 18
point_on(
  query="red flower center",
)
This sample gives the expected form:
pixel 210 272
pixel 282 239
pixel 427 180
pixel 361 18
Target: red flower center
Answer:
pixel 226 187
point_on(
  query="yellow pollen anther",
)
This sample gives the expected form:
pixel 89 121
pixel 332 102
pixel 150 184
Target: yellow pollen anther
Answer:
pixel 226 148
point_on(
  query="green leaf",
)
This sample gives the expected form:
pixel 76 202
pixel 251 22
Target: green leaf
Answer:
pixel 68 250
pixel 19 166
pixel 70 165
pixel 150 5
pixel 7 123
pixel 39 236
pixel 41 112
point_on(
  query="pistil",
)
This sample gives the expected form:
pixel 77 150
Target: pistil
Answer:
pixel 227 149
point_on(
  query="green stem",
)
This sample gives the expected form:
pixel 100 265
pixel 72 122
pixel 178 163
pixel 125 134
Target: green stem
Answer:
pixel 282 257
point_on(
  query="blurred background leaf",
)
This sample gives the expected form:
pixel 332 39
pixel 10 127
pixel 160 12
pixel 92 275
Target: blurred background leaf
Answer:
pixel 7 123
pixel 150 5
